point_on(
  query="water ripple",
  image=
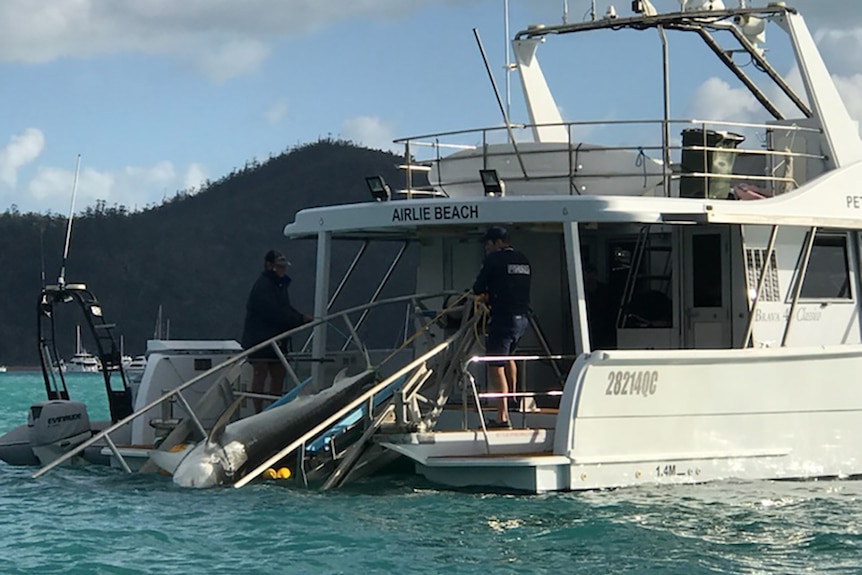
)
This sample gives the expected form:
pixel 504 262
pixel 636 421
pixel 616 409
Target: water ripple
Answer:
pixel 100 521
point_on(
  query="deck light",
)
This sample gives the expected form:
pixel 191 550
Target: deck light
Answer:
pixel 492 183
pixel 644 7
pixel 754 30
pixel 379 189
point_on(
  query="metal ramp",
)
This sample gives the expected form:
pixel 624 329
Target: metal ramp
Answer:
pixel 411 396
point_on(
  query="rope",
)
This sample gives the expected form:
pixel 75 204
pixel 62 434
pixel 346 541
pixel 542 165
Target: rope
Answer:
pixel 479 308
pixel 422 329
pixel 640 161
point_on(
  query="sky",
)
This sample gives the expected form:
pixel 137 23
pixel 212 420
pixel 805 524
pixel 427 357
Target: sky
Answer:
pixel 158 96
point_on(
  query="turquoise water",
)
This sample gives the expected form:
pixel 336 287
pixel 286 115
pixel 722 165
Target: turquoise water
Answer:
pixel 97 520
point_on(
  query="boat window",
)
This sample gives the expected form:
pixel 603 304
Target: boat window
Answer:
pixel 706 270
pixel 828 275
pixel 645 266
pixel 754 260
pixel 203 364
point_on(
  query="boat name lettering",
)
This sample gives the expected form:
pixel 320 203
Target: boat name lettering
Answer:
pixel 854 202
pixel 642 383
pixel 434 213
pixel 63 418
pixel 802 314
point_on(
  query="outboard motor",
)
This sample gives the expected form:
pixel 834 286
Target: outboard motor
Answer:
pixel 56 427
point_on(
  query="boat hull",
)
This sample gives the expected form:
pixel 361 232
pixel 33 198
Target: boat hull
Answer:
pixel 678 416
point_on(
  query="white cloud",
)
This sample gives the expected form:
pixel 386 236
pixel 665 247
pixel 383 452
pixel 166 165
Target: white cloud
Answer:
pixel 160 173
pixel 369 131
pixel 195 176
pixel 840 14
pixel 224 38
pixel 54 185
pixel 715 99
pixel 276 112
pixel 22 149
pixel 231 59
pixel 850 89
pixel 132 186
pixel 840 49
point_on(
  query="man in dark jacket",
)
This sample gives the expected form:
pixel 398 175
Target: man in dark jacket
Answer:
pixel 269 313
pixel 504 281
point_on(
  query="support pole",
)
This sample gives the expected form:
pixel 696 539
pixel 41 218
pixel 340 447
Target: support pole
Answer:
pixel 321 297
pixel 800 279
pixel 761 280
pixel 577 293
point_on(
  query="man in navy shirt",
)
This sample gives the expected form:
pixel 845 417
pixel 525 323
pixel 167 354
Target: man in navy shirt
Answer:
pixel 504 281
pixel 269 313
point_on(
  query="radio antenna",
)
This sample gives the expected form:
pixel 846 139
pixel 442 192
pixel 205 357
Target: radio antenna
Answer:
pixel 62 279
pixel 42 253
pixel 507 65
pixel 499 101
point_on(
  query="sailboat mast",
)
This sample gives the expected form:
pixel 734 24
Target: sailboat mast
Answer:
pixel 62 279
pixel 157 332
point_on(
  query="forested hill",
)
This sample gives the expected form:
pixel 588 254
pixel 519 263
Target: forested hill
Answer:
pixel 195 255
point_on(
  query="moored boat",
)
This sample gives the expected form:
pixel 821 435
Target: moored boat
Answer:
pixel 726 253
pixel 730 268
pixel 58 425
pixel 81 361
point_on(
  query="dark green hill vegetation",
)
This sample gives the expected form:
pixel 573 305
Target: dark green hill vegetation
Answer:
pixel 196 255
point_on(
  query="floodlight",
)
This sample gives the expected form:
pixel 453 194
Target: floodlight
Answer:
pixel 644 7
pixel 753 28
pixel 492 183
pixel 379 189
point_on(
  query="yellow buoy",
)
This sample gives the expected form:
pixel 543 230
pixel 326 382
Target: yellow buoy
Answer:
pixel 270 474
pixel 283 473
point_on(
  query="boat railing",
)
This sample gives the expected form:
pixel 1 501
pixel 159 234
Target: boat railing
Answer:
pixel 228 372
pixel 703 153
pixel 470 388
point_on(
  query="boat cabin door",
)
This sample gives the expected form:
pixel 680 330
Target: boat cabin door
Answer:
pixel 706 287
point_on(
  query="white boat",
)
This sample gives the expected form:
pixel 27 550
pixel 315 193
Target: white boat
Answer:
pixel 81 361
pixel 135 368
pixel 57 426
pixel 735 334
pixel 3 369
pixel 736 323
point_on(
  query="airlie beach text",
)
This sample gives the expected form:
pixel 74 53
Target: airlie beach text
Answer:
pixel 435 213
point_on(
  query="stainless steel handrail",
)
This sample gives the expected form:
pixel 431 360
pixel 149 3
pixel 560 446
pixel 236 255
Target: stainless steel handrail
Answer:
pixel 175 392
pixel 487 151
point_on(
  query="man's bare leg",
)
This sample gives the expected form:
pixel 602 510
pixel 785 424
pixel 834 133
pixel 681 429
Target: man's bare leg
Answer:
pixel 276 378
pixel 260 370
pixel 512 379
pixel 496 373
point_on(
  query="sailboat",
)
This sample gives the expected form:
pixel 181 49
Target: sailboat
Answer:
pixel 137 364
pixel 82 361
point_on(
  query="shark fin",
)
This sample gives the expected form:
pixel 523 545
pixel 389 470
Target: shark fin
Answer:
pixel 171 459
pixel 339 376
pixel 222 421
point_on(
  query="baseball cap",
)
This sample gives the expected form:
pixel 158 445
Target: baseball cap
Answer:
pixel 277 258
pixel 495 233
